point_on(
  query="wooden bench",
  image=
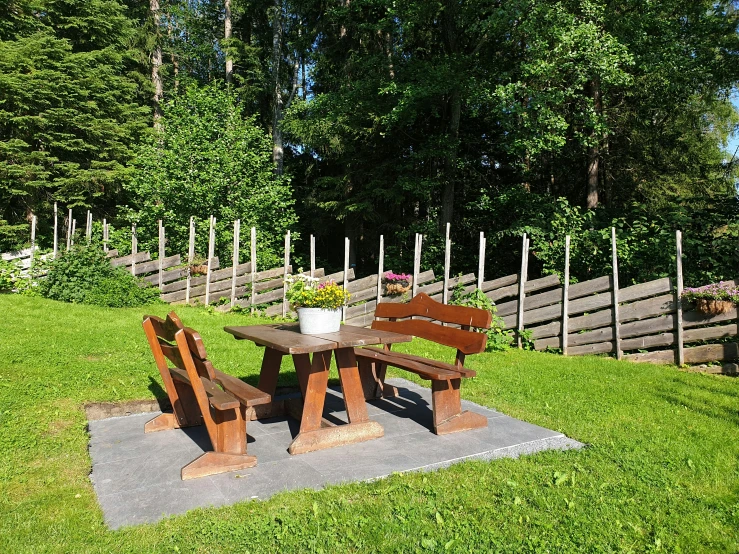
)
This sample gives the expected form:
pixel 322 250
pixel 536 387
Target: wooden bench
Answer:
pixel 200 394
pixel 445 378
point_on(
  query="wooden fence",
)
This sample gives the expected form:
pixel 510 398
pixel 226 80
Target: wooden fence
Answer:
pixel 642 322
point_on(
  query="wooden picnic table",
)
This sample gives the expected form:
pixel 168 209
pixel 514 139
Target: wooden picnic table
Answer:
pixel 315 432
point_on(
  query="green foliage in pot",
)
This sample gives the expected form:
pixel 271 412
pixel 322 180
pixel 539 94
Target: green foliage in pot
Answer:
pixel 307 292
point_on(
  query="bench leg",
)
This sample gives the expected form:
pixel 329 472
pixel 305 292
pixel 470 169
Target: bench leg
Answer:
pixel 447 405
pixel 229 448
pixel 372 375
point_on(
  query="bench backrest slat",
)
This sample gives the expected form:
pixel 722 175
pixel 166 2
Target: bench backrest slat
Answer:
pixel 467 342
pixel 422 305
pixel 464 340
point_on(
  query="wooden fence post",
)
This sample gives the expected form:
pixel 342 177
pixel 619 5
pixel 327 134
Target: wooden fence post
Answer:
pixel 380 268
pixel 88 227
pixel 447 264
pixel 678 302
pixel 211 253
pixel 69 230
pixel 56 231
pixel 417 263
pixel 235 260
pixel 190 257
pixel 522 286
pixel 253 258
pixel 285 274
pixel 616 324
pixel 134 248
pixel 481 261
pixel 33 243
pixel 106 235
pixel 566 297
pixel 161 254
pixel 347 246
pixel 312 256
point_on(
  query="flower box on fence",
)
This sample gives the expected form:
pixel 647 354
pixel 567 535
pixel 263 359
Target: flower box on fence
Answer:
pixel 397 283
pixel 714 299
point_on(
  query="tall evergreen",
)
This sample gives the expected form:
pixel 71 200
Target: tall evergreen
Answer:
pixel 73 103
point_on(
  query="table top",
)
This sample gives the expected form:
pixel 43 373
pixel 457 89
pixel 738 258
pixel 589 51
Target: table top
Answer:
pixel 286 337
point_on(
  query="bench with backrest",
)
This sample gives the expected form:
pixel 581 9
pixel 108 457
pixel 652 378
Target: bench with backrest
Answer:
pixel 448 416
pixel 201 394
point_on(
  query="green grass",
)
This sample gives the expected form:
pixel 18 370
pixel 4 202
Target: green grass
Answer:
pixel 661 472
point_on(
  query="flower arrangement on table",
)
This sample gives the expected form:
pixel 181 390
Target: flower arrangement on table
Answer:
pixel 317 304
pixel 716 298
pixel 397 283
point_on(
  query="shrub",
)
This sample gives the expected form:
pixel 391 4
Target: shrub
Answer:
pixel 85 275
pixel 7 276
pixel 206 159
pixel 499 339
pixel 122 290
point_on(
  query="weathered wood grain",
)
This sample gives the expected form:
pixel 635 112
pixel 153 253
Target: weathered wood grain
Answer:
pixel 126 261
pixel 695 355
pixel 530 286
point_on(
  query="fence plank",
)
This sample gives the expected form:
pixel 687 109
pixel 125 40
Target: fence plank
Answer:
pixel 416 263
pixel 522 289
pixel 161 254
pixel 69 230
pixel 615 307
pixel 529 287
pixel 253 258
pixel 695 355
pixel 56 232
pixel 566 297
pixel 126 261
pixel 347 246
pixel 447 264
pixel 285 274
pixel 134 247
pixel 211 253
pixel 312 256
pixel 235 260
pixel 380 268
pixel 190 258
pixel 481 262
pixel 678 292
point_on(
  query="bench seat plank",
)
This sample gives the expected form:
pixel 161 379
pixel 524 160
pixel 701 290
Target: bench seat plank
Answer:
pixel 219 399
pixel 419 367
pixel 250 396
pixel 462 371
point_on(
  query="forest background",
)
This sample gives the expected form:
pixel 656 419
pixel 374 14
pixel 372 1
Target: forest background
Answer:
pixel 362 118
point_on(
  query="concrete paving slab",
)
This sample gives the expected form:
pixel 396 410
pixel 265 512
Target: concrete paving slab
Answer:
pixel 137 476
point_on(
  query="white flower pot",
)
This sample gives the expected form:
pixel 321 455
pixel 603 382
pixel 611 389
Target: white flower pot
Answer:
pixel 316 321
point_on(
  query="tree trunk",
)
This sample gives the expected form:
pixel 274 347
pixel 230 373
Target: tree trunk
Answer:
pixel 450 162
pixel 594 150
pixel 226 37
pixel 156 63
pixel 277 147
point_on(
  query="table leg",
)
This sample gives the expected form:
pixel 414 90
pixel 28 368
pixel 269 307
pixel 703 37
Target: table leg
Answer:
pixel 314 437
pixel 351 385
pixel 268 382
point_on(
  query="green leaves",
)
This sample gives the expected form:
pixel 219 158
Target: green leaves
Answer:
pixel 204 160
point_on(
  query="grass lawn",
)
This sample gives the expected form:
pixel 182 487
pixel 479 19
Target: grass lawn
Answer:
pixel 661 472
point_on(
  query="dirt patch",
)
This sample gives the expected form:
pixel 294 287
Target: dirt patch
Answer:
pixel 104 410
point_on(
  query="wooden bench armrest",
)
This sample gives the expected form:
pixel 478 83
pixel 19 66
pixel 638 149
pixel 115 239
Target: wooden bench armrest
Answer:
pixel 424 370
pixel 219 399
pixel 247 394
pixel 463 371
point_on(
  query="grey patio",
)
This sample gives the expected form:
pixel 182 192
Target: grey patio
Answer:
pixel 137 476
